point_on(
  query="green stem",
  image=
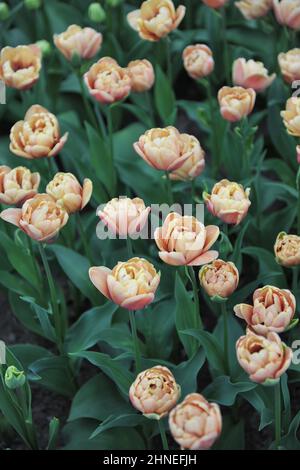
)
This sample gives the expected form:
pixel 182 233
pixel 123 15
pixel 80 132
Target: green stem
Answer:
pixel 83 239
pixel 111 139
pixel 225 337
pixel 135 341
pixel 86 104
pixel 129 247
pixel 169 189
pixel 149 107
pixel 168 59
pixel 277 402
pixel 163 435
pixel 295 280
pixel 225 48
pixel 214 133
pixel 192 277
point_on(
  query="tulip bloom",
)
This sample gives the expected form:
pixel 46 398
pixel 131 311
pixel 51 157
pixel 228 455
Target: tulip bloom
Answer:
pixel 124 216
pixel 154 392
pixel 83 42
pixel 291 116
pixel 141 74
pixel 251 74
pixel 265 359
pixel 228 201
pixel 219 279
pixel 289 63
pixel 215 3
pixel 37 136
pixel 195 424
pixel 131 284
pixel 68 193
pixel 156 19
pixel 40 218
pixel 252 9
pixel 236 102
pixel 184 241
pixel 107 82
pixel 198 61
pixel 20 66
pixel 273 310
pixel 287 249
pixel 17 185
pixel 287 13
pixel 194 165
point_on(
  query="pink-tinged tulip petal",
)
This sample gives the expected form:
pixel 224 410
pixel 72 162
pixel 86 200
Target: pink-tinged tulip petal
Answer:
pixel 205 258
pixel 287 249
pixel 174 259
pixel 220 278
pixel 138 302
pixel 133 19
pixel 244 311
pixel 57 148
pixel 12 216
pixel 212 234
pixel 98 276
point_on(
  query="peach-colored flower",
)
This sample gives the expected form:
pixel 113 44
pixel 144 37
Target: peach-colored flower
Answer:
pixel 156 19
pixel 215 3
pixel 195 424
pixel 219 279
pixel 38 135
pixel 195 164
pixel 68 193
pixel 236 102
pixel 125 216
pixel 251 74
pixel 154 392
pixel 184 241
pixel 20 66
pixel 273 310
pixel 107 82
pixel 198 60
pixel 131 284
pixel 252 9
pixel 83 42
pixel 287 12
pixel 141 74
pixel 289 63
pixel 40 218
pixel 166 149
pixel 287 249
pixel 17 185
pixel 265 359
pixel 291 116
pixel 228 201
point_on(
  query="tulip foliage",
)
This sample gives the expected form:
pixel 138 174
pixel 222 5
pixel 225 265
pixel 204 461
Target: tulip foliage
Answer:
pixel 150 224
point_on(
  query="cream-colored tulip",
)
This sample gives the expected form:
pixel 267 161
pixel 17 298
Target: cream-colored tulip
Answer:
pixel 38 135
pixel 154 392
pixel 291 116
pixel 131 284
pixel 287 13
pixel 17 185
pixel 198 61
pixel 141 74
pixel 264 359
pixel 252 9
pixel 40 218
pixel 251 74
pixel 289 63
pixel 228 201
pixel 156 19
pixel 219 279
pixel 83 42
pixel 195 424
pixel 20 66
pixel 195 164
pixel 125 216
pixel 287 249
pixel 236 102
pixel 68 193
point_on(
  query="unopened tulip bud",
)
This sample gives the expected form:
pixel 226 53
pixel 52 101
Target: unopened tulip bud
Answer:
pixel 4 11
pixel 33 4
pixel 45 47
pixel 198 61
pixel 14 378
pixel 114 3
pixel 219 279
pixel 96 13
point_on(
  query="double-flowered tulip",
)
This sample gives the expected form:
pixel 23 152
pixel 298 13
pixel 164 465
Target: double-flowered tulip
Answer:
pixel 20 66
pixel 76 41
pixel 68 193
pixel 273 310
pixel 236 102
pixel 131 284
pixel 291 116
pixel 219 279
pixel 198 61
pixel 215 3
pixel 40 218
pixel 264 359
pixel 252 9
pixel 154 392
pixel 287 249
pixel 287 13
pixel 107 82
pixel 289 63
pixel 141 74
pixel 194 165
pixel 124 216
pixel 184 241
pixel 195 424
pixel 251 74
pixel 156 19
pixel 228 201
pixel 38 135
pixel 17 185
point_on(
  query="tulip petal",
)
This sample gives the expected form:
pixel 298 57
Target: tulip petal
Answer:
pixel 87 191
pixel 212 234
pixel 138 302
pixel 205 258
pixel 174 259
pixel 98 276
pixel 12 216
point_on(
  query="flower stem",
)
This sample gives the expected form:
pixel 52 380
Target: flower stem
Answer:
pixel 83 239
pixel 111 140
pixel 225 338
pixel 169 189
pixel 86 104
pixel 135 341
pixel 277 402
pixel 225 47
pixel 214 133
pixel 295 280
pixel 163 435
pixel 168 59
pixel 192 277
pixel 129 246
